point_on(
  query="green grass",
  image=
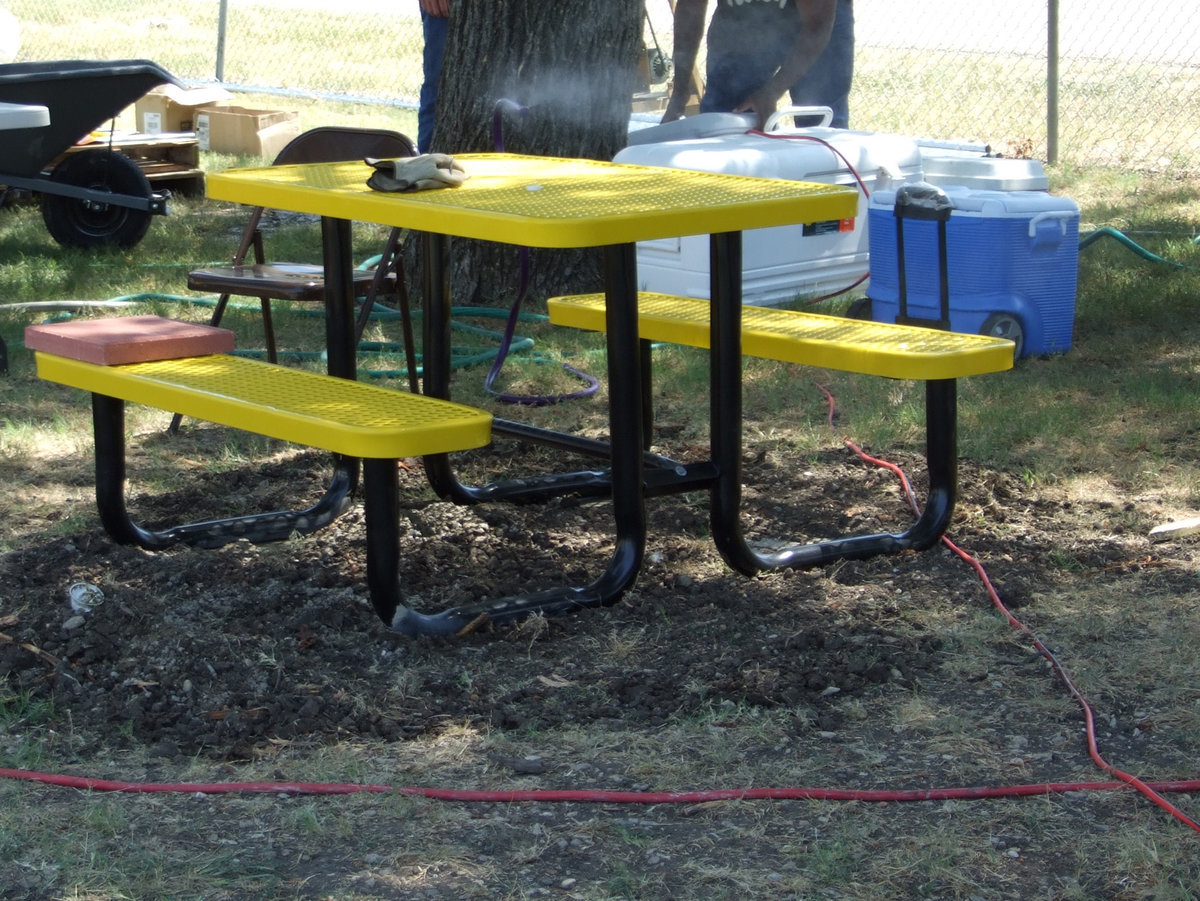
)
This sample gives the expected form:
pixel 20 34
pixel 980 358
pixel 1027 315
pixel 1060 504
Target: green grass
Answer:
pixel 307 52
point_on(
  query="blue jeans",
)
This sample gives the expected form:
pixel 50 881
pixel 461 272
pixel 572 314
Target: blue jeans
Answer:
pixel 435 29
pixel 732 78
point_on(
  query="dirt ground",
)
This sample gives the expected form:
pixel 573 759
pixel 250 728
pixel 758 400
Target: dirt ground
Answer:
pixel 219 652
pixel 224 654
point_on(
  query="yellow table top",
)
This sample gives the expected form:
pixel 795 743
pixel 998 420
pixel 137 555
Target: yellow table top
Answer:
pixel 545 201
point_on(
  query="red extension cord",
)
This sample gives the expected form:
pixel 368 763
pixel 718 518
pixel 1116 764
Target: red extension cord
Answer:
pixel 1153 793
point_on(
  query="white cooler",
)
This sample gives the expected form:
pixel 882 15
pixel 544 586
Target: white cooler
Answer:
pixel 783 263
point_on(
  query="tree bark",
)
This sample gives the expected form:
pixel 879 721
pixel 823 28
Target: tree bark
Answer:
pixel 567 69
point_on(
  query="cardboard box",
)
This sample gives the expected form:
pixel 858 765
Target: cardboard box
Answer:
pixel 171 109
pixel 256 132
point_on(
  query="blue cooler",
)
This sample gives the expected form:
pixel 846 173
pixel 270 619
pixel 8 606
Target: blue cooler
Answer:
pixel 1012 262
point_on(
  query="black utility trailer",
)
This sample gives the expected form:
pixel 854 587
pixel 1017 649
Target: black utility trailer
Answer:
pixel 95 196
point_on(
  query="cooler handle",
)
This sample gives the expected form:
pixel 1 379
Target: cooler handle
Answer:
pixel 774 119
pixel 1042 230
pixel 1063 216
pixel 921 200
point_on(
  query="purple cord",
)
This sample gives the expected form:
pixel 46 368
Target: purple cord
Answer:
pixel 529 400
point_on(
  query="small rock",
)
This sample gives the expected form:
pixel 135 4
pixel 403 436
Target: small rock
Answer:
pixel 526 766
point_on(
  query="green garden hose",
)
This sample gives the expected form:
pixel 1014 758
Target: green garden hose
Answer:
pixel 1125 240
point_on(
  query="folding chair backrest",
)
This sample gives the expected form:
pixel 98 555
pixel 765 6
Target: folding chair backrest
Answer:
pixel 335 143
pixel 329 144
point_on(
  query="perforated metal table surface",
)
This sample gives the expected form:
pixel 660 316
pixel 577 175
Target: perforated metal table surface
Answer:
pixel 545 201
pixel 556 203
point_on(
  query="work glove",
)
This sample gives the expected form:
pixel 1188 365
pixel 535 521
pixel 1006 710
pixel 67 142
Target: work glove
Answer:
pixel 417 173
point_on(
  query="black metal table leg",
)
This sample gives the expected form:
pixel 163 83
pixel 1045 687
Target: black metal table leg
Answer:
pixel 625 476
pixel 108 420
pixel 337 253
pixel 941 447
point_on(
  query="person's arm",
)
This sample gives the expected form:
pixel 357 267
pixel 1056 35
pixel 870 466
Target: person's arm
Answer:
pixel 816 26
pixel 439 8
pixel 689 29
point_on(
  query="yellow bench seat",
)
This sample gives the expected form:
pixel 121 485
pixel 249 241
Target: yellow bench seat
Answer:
pixel 346 417
pixel 811 339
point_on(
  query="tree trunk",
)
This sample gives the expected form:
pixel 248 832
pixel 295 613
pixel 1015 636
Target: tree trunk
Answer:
pixel 568 71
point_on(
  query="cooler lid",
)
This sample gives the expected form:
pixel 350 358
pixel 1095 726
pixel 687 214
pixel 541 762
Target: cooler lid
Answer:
pixel 797 155
pixel 993 204
pixel 704 125
pixel 975 170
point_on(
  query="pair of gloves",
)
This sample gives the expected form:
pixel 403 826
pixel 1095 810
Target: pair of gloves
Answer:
pixel 417 173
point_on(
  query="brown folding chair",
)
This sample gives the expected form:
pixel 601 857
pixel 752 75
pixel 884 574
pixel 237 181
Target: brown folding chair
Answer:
pixel 302 281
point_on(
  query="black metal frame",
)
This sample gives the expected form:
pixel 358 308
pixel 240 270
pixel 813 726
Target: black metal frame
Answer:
pixel 108 423
pixel 155 203
pixel 941 446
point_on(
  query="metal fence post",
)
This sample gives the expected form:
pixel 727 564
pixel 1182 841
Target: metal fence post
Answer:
pixel 1052 82
pixel 222 18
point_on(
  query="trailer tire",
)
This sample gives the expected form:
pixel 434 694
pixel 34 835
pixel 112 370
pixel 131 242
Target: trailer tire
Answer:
pixel 78 223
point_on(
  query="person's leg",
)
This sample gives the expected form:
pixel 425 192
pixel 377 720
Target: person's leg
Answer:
pixel 435 29
pixel 827 83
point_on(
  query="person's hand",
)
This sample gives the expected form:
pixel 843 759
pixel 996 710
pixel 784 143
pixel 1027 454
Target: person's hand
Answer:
pixel 674 109
pixel 439 8
pixel 418 173
pixel 762 103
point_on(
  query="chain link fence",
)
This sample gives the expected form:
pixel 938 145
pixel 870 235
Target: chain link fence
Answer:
pixel 1122 89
